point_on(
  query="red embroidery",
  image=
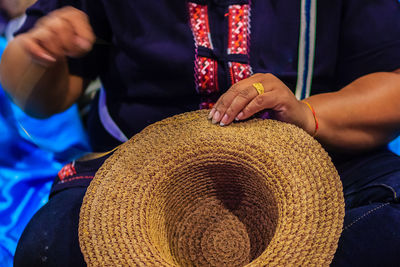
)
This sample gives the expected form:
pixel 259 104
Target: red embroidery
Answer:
pixel 206 75
pixel 239 29
pixel 239 37
pixel 239 71
pixel 75 178
pixel 205 68
pixel 67 171
pixel 200 26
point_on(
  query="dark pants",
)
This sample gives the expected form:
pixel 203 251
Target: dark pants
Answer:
pixel 371 229
pixel 371 233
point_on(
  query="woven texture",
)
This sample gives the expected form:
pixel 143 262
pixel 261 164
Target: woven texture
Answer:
pixel 185 192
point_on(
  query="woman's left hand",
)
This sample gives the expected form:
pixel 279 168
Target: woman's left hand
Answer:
pixel 242 101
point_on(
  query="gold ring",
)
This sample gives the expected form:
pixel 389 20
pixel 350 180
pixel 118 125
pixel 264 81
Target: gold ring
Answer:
pixel 259 87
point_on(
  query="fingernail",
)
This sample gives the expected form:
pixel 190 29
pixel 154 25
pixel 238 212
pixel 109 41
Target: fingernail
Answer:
pixel 239 116
pixel 215 118
pixel 83 43
pixel 211 114
pixel 47 57
pixel 224 120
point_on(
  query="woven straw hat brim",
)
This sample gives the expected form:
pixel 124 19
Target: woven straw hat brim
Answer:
pixel 185 192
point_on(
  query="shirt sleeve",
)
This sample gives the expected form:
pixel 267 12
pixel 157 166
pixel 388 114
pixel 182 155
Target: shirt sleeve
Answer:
pixel 369 39
pixel 89 66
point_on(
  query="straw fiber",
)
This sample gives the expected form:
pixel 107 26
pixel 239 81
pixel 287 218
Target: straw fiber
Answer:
pixel 185 192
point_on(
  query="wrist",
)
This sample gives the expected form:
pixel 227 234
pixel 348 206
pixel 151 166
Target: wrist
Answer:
pixel 311 126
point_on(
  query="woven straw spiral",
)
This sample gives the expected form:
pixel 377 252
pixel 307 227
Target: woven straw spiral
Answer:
pixel 185 192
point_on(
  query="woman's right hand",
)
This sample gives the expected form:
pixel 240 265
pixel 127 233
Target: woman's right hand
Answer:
pixel 63 32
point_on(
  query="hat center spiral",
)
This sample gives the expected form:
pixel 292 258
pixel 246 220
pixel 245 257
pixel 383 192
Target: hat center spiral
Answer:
pixel 226 242
pixel 221 214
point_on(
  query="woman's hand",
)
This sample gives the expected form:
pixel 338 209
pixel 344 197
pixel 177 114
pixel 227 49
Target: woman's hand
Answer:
pixel 63 32
pixel 34 70
pixel 242 101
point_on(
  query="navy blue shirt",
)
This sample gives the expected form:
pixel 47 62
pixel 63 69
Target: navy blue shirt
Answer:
pixel 168 56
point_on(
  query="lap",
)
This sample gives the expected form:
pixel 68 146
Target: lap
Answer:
pixel 370 236
pixel 371 186
pixel 51 237
pixel 373 177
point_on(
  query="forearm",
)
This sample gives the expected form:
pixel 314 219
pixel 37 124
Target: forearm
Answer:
pixel 34 69
pixel 40 91
pixel 363 115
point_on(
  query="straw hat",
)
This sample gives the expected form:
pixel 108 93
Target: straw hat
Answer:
pixel 185 192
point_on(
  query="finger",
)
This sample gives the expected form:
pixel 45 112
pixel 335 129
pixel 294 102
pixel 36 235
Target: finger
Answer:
pixel 38 54
pixel 274 90
pixel 80 24
pixel 268 100
pixel 47 40
pixel 232 89
pixel 242 99
pixel 74 45
pixel 72 27
pixel 220 106
pixel 224 102
pixel 63 31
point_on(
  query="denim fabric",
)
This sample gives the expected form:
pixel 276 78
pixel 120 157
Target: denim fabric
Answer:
pixel 371 231
pixel 51 237
pixel 370 237
pixel 371 178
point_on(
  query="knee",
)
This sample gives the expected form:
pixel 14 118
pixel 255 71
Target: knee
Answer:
pixel 51 237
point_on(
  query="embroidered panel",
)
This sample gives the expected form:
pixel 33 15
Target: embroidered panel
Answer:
pixel 239 29
pixel 206 65
pixel 67 171
pixel 205 68
pixel 239 71
pixel 238 41
pixel 200 26
pixel 206 75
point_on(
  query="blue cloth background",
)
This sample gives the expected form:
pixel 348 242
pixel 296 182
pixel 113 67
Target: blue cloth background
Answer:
pixel 32 151
pixel 395 145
